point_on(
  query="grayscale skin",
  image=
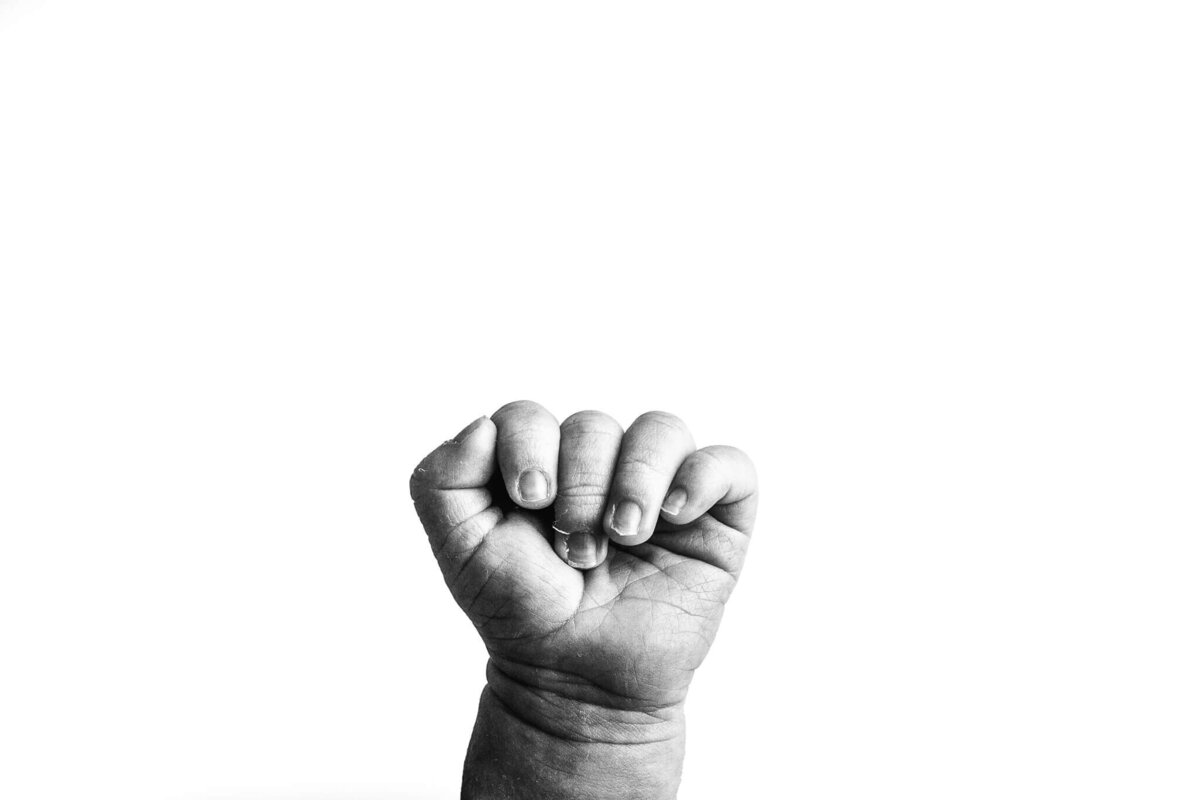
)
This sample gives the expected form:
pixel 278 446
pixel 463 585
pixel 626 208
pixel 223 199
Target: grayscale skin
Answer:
pixel 595 563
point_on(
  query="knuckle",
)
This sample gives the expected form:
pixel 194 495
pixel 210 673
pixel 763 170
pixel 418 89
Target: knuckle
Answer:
pixel 583 491
pixel 661 427
pixel 751 469
pixel 524 424
pixel 591 420
pixel 634 466
pixel 707 460
pixel 731 452
pixel 519 408
pixel 663 419
pixel 745 464
pixel 725 456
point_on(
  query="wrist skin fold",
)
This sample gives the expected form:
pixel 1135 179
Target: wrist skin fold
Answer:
pixel 563 738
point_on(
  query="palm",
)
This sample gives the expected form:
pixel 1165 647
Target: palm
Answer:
pixel 648 614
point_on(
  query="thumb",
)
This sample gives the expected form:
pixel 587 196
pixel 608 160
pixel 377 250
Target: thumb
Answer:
pixel 449 491
pixel 500 574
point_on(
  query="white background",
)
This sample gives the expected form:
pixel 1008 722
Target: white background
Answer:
pixel 931 264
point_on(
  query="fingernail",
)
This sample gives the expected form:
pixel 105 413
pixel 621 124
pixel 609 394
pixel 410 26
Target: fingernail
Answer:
pixel 467 431
pixel 626 518
pixel 533 486
pixel 675 501
pixel 583 551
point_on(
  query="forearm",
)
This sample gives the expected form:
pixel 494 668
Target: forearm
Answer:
pixel 535 745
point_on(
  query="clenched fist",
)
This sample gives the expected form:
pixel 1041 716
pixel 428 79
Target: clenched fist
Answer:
pixel 595 563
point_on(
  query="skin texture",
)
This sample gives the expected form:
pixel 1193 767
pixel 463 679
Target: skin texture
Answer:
pixel 594 618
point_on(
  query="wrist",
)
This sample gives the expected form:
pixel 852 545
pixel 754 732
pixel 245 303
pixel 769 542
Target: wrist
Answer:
pixel 568 706
pixel 571 740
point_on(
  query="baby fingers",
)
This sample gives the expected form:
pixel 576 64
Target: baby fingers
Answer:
pixel 717 479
